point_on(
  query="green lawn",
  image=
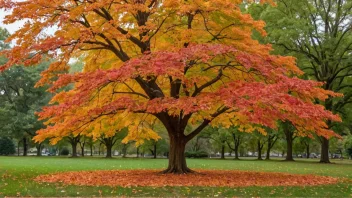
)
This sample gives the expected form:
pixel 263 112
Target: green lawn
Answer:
pixel 17 173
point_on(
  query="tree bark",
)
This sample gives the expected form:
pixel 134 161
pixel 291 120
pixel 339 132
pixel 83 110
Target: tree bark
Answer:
pixel 260 147
pixel 271 142
pixel 236 152
pixel 82 149
pixel 91 150
pixel 177 160
pixel 237 142
pixel 307 150
pixel 289 134
pixel 223 150
pixel 154 152
pixel 25 146
pixel 39 149
pixel 108 150
pixel 74 149
pixel 74 141
pixel 324 157
pixel 109 142
pixel 267 157
pixel 289 156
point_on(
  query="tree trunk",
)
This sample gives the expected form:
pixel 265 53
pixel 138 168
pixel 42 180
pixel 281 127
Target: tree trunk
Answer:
pixel 236 152
pixel 74 149
pixel 39 149
pixel 289 156
pixel 289 134
pixel 260 151
pixel 25 146
pixel 223 151
pixel 177 160
pixel 307 151
pixel 91 150
pixel 108 150
pixel 137 152
pixel 82 151
pixel 267 157
pixel 324 158
pixel 154 152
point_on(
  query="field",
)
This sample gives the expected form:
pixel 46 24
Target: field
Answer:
pixel 17 174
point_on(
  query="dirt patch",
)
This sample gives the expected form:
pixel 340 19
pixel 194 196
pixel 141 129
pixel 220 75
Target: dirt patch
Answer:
pixel 210 178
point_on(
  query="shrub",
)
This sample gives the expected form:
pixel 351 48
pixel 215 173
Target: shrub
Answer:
pixel 7 147
pixel 64 151
pixel 196 154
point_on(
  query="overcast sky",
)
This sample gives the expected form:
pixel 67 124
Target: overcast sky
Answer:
pixel 10 27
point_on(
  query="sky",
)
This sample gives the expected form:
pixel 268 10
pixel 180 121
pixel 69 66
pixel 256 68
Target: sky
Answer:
pixel 10 27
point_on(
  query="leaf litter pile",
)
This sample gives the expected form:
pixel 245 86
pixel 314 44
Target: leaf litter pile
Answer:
pixel 209 178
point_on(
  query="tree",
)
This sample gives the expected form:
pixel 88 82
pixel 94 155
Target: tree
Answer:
pixel 307 143
pixel 74 141
pixel 290 135
pixel 82 143
pixel 110 139
pixel 90 143
pixel 219 137
pixel 180 62
pixel 237 138
pixel 19 102
pixel 155 147
pixel 7 147
pixel 318 33
pixel 109 142
pixel 4 34
pixel 272 137
pixel 348 145
pixel 260 145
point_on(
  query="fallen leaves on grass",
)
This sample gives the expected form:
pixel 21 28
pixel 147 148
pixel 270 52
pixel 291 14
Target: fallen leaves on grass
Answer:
pixel 210 178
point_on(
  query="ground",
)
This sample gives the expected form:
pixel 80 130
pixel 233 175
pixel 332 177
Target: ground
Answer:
pixel 17 177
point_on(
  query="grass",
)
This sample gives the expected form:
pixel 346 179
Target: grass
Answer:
pixel 17 173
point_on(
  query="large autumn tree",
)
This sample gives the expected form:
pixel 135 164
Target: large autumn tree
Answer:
pixel 319 34
pixel 182 62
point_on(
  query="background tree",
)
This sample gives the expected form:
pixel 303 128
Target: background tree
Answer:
pixel 348 146
pixel 82 143
pixel 74 141
pixel 318 33
pixel 218 138
pixel 182 62
pixel 261 141
pixel 237 138
pixel 306 142
pixel 290 135
pixel 7 147
pixel 19 102
pixel 272 137
pixel 4 34
pixel 90 144
pixel 110 141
